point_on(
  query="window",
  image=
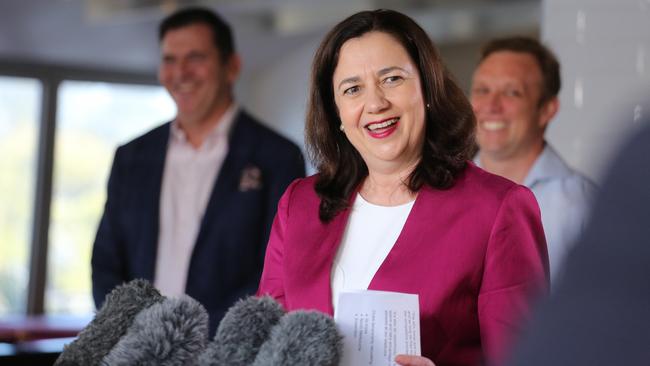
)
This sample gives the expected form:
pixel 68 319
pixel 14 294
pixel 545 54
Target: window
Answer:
pixel 93 119
pixel 20 100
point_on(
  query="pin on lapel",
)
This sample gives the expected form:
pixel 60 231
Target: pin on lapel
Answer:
pixel 251 179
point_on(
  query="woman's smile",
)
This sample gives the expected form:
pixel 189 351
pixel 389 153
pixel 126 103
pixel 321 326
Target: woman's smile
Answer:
pixel 381 129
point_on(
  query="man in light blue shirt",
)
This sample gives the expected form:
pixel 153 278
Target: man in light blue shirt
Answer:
pixel 514 96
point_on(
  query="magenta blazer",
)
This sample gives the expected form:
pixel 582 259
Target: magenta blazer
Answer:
pixel 475 254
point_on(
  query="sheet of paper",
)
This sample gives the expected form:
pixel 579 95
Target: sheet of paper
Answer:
pixel 377 325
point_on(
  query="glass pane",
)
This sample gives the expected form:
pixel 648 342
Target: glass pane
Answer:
pixel 93 119
pixel 19 113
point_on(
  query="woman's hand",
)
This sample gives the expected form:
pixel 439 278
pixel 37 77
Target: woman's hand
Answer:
pixel 408 360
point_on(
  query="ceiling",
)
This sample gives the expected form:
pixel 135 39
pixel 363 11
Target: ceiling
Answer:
pixel 121 35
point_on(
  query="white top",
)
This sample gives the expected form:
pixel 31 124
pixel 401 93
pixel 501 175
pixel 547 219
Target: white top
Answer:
pixel 370 234
pixel 187 183
pixel 564 197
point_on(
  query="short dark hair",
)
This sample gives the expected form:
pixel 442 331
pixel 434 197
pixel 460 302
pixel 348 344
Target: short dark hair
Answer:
pixel 449 124
pixel 546 60
pixel 221 32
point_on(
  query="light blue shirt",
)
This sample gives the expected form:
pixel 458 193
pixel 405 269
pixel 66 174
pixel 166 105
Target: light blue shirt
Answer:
pixel 564 197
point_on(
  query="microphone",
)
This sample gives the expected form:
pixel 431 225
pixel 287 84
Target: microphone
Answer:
pixel 242 331
pixel 110 323
pixel 169 333
pixel 302 338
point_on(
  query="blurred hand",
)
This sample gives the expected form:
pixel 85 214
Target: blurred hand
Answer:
pixel 407 360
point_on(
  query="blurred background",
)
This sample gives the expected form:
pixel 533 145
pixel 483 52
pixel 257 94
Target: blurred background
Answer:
pixel 77 78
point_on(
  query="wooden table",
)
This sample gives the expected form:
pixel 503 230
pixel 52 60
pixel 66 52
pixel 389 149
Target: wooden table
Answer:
pixel 20 328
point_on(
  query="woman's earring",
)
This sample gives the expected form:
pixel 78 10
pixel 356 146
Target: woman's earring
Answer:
pixel 341 127
pixel 428 105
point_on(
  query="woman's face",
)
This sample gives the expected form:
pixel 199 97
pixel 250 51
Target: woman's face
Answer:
pixel 378 95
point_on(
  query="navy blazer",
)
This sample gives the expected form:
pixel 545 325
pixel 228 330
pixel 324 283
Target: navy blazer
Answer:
pixel 228 255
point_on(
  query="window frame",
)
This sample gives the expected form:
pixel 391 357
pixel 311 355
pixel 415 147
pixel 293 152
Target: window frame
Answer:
pixel 51 76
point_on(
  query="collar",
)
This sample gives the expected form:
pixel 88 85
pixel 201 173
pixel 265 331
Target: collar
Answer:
pixel 222 128
pixel 548 165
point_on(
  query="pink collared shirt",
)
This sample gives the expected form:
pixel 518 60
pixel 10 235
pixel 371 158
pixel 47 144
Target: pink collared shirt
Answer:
pixel 188 179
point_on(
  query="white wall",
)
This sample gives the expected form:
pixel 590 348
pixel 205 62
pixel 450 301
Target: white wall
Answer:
pixel 604 51
pixel 277 94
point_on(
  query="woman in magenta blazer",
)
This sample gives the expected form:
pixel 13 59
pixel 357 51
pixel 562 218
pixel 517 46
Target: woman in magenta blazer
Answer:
pixel 387 127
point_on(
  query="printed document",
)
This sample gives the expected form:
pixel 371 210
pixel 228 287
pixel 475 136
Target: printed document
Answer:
pixel 377 325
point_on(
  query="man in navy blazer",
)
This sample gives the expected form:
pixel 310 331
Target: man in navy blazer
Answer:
pixel 190 203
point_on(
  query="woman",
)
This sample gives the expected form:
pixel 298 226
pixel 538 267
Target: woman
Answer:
pixel 396 206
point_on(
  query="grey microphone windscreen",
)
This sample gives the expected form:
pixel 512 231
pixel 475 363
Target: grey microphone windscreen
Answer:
pixel 170 333
pixel 110 323
pixel 241 332
pixel 302 338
